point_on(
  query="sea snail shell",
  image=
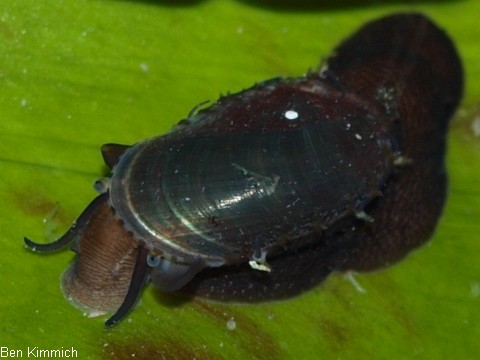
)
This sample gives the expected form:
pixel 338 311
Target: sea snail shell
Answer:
pixel 264 193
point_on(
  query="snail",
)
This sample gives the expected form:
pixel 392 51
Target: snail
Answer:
pixel 267 191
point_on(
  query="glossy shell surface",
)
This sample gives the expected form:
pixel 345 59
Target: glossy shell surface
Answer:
pixel 267 191
pixel 231 184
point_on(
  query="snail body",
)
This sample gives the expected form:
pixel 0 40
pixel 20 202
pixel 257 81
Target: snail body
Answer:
pixel 267 191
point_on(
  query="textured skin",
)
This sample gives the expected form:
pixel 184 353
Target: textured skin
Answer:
pixel 100 276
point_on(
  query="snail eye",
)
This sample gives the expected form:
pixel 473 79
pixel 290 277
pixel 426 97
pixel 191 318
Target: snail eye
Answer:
pixel 153 260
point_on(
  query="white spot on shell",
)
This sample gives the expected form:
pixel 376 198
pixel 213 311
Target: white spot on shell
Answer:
pixel 358 136
pixel 362 215
pixel 400 160
pixel 291 115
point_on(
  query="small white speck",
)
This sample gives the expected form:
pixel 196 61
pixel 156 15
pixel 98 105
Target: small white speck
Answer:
pixel 350 276
pixel 187 199
pixel 348 126
pixel 362 215
pixel 93 314
pixel 476 126
pixel 144 67
pixel 291 115
pixel 256 265
pixel 23 102
pixel 231 324
pixel 475 289
pixel 358 136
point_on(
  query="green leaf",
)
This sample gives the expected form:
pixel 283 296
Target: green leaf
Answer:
pixel 76 74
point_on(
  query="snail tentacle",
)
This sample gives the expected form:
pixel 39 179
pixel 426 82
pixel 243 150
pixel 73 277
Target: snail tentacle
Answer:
pixel 72 234
pixel 137 283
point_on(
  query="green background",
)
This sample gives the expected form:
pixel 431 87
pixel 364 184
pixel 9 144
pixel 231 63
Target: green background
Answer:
pixel 75 74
